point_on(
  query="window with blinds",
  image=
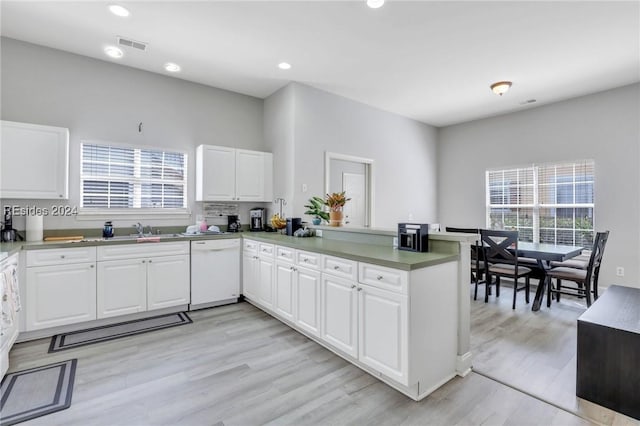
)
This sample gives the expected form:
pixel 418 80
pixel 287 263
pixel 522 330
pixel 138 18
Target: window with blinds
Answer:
pixel 117 177
pixel 547 203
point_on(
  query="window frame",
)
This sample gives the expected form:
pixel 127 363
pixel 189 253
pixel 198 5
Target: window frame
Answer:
pixel 537 206
pixel 90 213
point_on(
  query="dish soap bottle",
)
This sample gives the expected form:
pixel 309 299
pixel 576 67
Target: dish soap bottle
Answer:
pixel 107 230
pixel 203 225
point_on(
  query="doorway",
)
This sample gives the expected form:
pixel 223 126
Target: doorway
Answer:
pixel 354 176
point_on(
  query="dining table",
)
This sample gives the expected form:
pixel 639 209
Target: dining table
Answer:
pixel 544 254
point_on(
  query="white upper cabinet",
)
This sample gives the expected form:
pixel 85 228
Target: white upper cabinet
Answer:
pixel 228 174
pixel 34 161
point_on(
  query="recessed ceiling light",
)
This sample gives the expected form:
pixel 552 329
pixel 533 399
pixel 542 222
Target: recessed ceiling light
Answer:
pixel 171 67
pixel 284 65
pixel 500 87
pixel 118 10
pixel 113 52
pixel 375 4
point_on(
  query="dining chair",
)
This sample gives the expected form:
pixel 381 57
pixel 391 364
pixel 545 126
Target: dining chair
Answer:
pixel 501 260
pixel 586 279
pixel 477 259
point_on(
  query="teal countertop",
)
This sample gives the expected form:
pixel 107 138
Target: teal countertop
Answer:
pixel 370 253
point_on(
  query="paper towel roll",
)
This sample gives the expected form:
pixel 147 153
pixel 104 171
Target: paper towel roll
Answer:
pixel 34 227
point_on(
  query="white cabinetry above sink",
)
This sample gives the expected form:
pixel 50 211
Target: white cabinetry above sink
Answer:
pixel 229 174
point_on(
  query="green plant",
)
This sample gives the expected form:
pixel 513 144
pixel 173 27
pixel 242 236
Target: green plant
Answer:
pixel 316 208
pixel 336 201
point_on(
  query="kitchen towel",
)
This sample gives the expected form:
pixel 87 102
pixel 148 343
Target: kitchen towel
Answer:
pixel 34 227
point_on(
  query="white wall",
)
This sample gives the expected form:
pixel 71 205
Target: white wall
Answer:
pixel 404 152
pixel 106 101
pixel 279 113
pixel 604 127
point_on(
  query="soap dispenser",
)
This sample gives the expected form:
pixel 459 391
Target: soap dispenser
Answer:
pixel 107 230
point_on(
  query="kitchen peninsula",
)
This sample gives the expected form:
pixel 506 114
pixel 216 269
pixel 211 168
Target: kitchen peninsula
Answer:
pixel 401 316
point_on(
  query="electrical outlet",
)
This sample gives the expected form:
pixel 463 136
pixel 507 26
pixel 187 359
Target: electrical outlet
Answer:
pixel 395 242
pixel 304 187
pixel 620 271
pixel 319 233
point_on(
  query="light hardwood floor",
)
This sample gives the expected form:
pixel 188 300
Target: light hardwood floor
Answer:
pixel 235 365
pixel 533 351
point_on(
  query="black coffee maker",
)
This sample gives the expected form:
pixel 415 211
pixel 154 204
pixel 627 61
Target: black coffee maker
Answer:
pixel 233 223
pixel 8 233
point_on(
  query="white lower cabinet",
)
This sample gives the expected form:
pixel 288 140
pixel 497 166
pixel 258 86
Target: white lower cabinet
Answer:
pixel 250 277
pixel 60 295
pixel 284 282
pixel 383 331
pixel 307 300
pixel 122 287
pixel 136 281
pixel 168 281
pixel 265 281
pixel 340 313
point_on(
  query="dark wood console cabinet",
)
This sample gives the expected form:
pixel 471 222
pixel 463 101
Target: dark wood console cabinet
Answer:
pixel 608 362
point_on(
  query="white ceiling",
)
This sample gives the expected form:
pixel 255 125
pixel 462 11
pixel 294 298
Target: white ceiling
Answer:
pixel 431 61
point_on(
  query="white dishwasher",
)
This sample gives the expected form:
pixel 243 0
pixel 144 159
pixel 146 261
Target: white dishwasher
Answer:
pixel 215 272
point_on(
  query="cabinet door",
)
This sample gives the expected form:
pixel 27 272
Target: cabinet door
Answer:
pixel 60 295
pixel 34 161
pixel 340 314
pixel 383 332
pixel 122 287
pixel 215 173
pixel 249 175
pixel 265 282
pixel 168 281
pixel 284 284
pixel 250 286
pixel 307 302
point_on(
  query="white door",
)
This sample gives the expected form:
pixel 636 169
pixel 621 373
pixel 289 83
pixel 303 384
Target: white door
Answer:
pixel 284 283
pixel 122 287
pixel 250 175
pixel 340 314
pixel 60 295
pixel 383 332
pixel 265 282
pixel 354 186
pixel 250 286
pixel 168 281
pixel 307 303
pixel 218 173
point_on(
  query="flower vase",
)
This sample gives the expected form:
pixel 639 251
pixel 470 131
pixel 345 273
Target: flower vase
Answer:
pixel 335 218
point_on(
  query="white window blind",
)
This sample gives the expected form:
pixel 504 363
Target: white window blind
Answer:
pixel 116 177
pixel 548 203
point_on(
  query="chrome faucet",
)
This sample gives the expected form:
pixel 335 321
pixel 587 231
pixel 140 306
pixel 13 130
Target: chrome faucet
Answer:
pixel 139 229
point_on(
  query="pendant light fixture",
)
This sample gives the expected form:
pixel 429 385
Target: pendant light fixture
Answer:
pixel 500 87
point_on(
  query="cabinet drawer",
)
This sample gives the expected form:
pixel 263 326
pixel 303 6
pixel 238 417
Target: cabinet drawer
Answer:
pixel 250 246
pixel 285 253
pixel 60 256
pixel 137 250
pixel 385 278
pixel 265 249
pixel 340 267
pixel 308 259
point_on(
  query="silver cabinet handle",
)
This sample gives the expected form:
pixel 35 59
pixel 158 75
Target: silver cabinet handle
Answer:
pixel 305 260
pixel 379 277
pixel 144 261
pixel 336 267
pixel 62 256
pixel 150 260
pixel 91 266
pixel 198 242
pixel 353 286
pixel 359 288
